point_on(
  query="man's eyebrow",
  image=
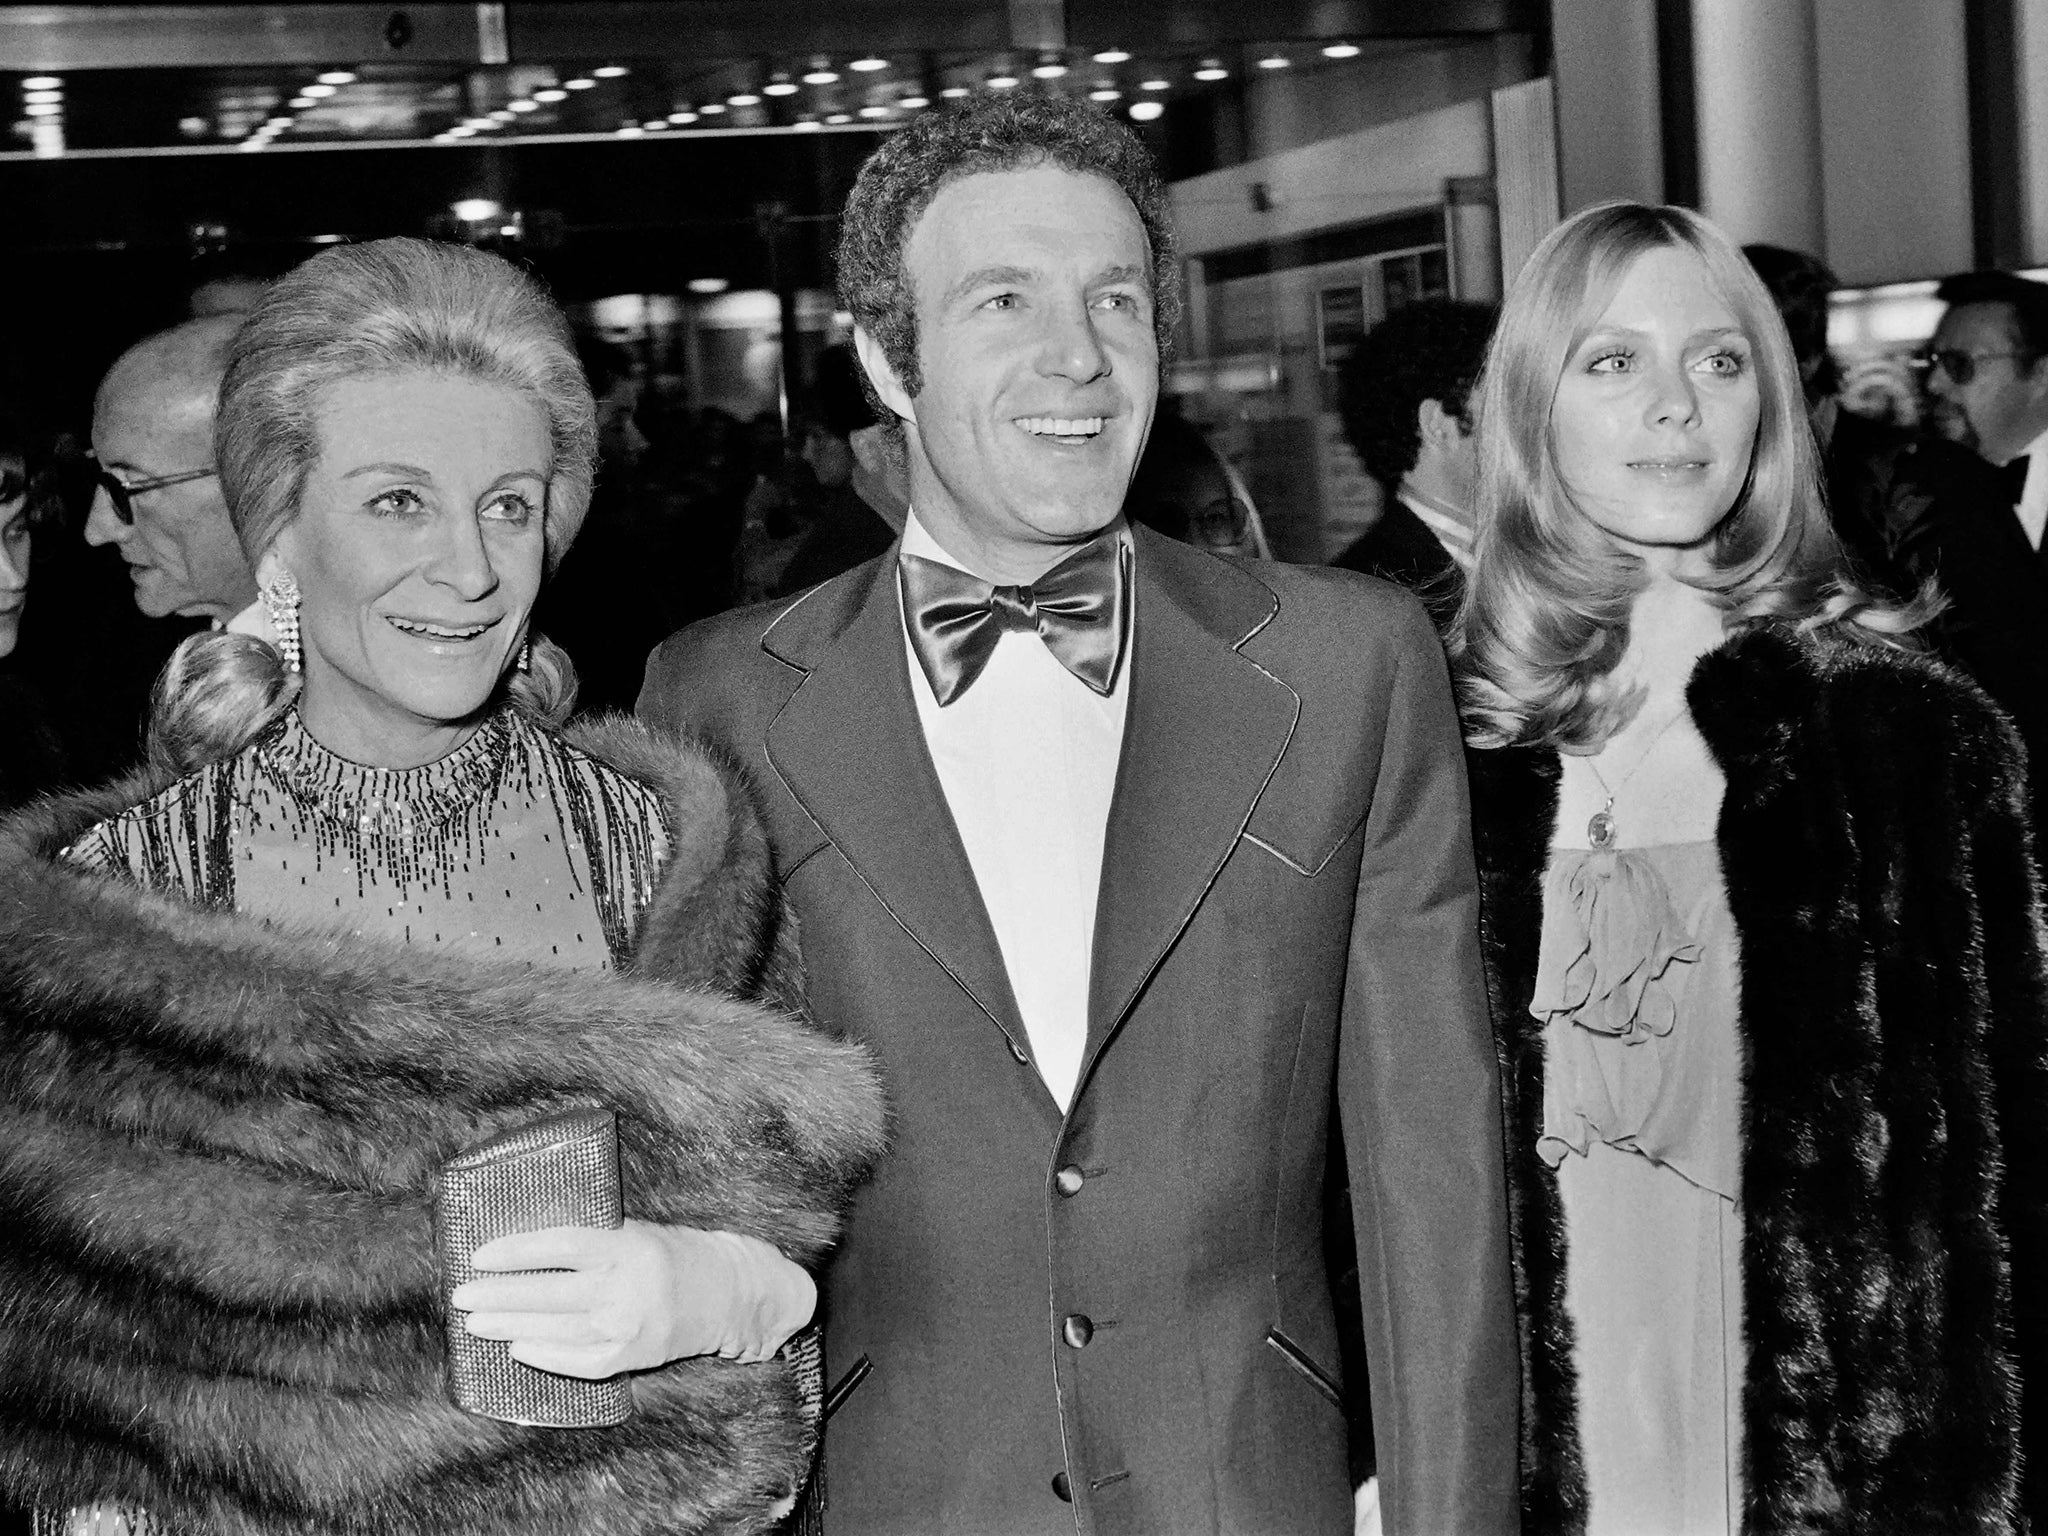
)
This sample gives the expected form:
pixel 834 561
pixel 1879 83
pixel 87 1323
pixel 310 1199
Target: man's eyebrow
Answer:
pixel 983 276
pixel 1126 274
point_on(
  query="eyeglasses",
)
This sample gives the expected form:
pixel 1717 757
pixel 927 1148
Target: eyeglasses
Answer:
pixel 122 494
pixel 1960 366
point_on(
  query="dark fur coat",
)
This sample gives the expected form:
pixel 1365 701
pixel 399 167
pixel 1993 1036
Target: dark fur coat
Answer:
pixel 1895 1099
pixel 218 1296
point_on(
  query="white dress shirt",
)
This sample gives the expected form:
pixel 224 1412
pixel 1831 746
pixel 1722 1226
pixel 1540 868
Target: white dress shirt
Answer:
pixel 2032 508
pixel 1027 758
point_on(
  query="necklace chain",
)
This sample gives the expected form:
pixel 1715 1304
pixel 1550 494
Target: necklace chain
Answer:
pixel 1601 828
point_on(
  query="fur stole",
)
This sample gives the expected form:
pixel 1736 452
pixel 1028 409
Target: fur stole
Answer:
pixel 218 1138
pixel 1894 1031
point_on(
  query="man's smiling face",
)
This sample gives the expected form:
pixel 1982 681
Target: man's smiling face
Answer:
pixel 1040 367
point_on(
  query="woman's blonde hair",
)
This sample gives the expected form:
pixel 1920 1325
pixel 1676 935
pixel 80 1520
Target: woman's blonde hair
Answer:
pixel 388 306
pixel 1546 614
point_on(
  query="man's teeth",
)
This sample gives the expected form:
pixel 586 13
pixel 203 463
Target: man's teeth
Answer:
pixel 438 631
pixel 1061 426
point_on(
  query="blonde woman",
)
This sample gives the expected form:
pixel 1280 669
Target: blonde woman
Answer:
pixel 1765 950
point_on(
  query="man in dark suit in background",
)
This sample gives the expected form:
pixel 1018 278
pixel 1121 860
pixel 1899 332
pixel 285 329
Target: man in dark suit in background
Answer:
pixel 1402 395
pixel 1127 861
pixel 1978 530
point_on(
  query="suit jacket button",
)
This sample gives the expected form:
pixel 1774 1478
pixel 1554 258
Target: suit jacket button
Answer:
pixel 1077 1330
pixel 1062 1487
pixel 1068 1180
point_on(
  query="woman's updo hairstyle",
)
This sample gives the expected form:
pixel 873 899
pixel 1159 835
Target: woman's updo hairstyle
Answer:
pixel 1545 618
pixel 388 306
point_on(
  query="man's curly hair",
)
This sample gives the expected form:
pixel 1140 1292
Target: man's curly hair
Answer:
pixel 1006 132
pixel 1431 349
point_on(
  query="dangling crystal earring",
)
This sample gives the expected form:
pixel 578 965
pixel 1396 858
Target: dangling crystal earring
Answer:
pixel 281 603
pixel 526 655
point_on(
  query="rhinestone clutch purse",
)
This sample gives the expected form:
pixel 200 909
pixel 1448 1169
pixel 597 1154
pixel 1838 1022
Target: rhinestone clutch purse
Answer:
pixel 562 1171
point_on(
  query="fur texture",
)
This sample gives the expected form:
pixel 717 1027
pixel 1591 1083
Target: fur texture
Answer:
pixel 1895 1100
pixel 218 1140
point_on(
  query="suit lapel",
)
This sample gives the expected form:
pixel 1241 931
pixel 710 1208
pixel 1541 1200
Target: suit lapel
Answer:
pixel 1205 729
pixel 850 748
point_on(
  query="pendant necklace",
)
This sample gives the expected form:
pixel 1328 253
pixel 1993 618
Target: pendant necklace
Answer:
pixel 1600 826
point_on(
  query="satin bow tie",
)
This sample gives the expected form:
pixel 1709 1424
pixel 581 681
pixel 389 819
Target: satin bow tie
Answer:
pixel 1077 608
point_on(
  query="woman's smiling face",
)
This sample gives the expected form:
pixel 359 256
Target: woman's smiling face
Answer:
pixel 1655 419
pixel 418 553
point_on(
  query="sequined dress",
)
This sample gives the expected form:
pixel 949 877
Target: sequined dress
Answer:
pixel 516 844
pixel 1637 985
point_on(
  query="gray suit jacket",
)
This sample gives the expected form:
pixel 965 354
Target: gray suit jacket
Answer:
pixel 1120 1320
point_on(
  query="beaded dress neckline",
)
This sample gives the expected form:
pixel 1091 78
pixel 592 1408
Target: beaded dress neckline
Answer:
pixel 393 801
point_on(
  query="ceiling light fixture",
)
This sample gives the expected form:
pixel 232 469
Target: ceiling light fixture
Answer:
pixel 580 83
pixel 781 85
pixel 1104 93
pixel 338 77
pixel 300 103
pixel 955 92
pixel 1051 69
pixel 805 125
pixel 708 285
pixel 1146 111
pixel 1112 56
pixel 1212 69
pixel 839 117
pixel 912 103
pixel 743 99
pixel 869 64
pixel 656 125
pixel 1340 50
pixel 522 105
pixel 43 83
pixel 1155 85
pixel 872 111
pixel 682 117
pixel 610 71
pixel 43 109
pixel 713 108
pixel 41 98
pixel 476 210
pixel 1275 61
pixel 551 96
pixel 820 74
pixel 1001 82
pixel 627 130
pixel 503 116
pixel 316 90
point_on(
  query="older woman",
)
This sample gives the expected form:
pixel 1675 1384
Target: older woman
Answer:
pixel 376 911
pixel 1765 948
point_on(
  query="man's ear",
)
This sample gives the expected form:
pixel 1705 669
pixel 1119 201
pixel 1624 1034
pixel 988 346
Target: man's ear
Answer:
pixel 1439 427
pixel 883 376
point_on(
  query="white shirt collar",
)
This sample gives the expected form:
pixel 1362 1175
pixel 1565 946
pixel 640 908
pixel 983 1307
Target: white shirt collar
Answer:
pixel 2032 507
pixel 917 540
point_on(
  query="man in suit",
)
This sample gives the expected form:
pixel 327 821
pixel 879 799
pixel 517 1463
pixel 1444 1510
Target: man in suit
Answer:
pixel 1987 383
pixel 1129 862
pixel 1403 396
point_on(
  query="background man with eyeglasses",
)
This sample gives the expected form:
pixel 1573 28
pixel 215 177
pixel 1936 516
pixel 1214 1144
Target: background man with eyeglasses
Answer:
pixel 159 502
pixel 1986 373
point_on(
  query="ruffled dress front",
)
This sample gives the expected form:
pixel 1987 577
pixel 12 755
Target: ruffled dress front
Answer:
pixel 1638 990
